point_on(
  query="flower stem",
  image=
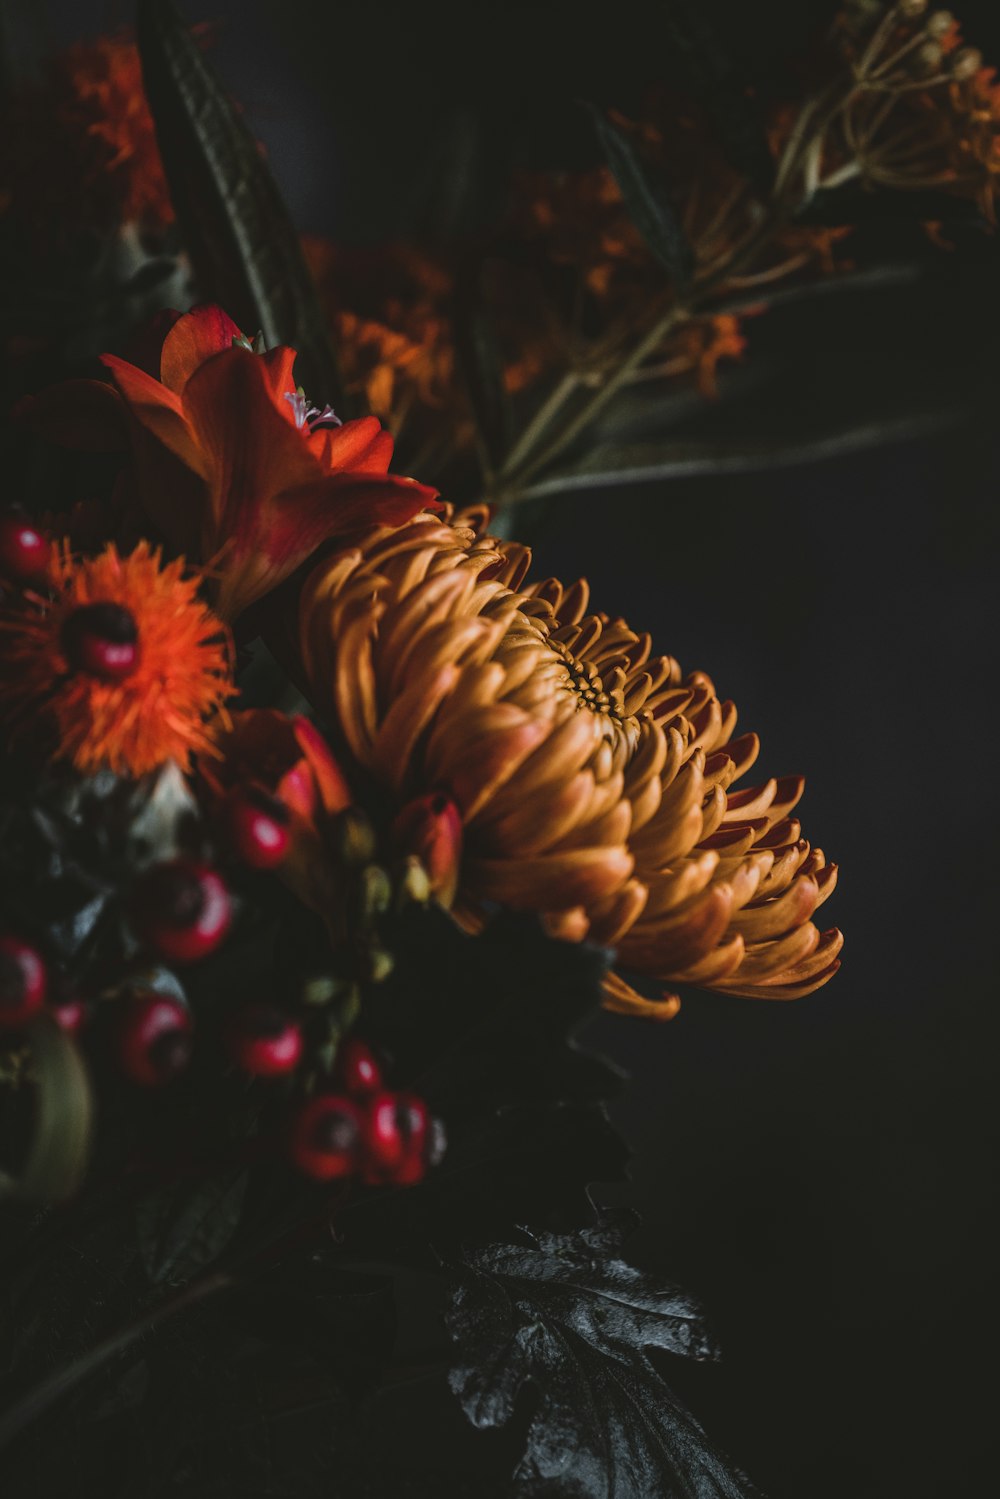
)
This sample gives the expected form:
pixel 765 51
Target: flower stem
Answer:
pixel 51 1389
pixel 585 416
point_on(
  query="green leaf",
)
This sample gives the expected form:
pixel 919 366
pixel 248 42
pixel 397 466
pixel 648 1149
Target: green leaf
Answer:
pixel 63 1117
pixel 648 202
pixel 566 1316
pixel 236 227
pixel 185 1227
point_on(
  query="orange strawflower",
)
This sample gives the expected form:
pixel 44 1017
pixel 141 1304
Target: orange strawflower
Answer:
pixel 593 779
pixel 122 668
pixel 85 142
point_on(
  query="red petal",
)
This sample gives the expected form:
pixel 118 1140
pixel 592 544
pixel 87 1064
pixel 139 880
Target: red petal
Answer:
pixel 249 451
pixel 361 446
pixel 293 524
pixel 333 789
pixel 195 337
pixel 278 363
pixel 156 408
pixel 342 503
pixel 147 346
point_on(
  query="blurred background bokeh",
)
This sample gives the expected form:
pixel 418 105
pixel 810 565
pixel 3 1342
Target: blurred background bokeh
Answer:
pixel 822 1172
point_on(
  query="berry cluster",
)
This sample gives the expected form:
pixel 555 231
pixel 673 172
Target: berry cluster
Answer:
pixel 364 1130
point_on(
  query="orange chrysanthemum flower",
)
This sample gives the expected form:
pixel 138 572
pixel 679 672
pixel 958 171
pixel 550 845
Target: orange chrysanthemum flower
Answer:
pixel 122 668
pixel 593 779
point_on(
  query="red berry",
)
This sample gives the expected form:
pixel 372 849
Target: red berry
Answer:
pixel 24 550
pixel 182 910
pixel 154 1041
pixel 70 1015
pixel 102 640
pixel 396 1127
pixel 258 826
pixel 23 982
pixel 326 1137
pixel 264 1041
pixel 357 1069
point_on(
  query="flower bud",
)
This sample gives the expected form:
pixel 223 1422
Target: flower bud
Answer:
pixel 431 829
pixel 909 10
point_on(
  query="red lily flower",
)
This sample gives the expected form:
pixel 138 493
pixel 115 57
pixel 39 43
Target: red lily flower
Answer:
pixel 233 465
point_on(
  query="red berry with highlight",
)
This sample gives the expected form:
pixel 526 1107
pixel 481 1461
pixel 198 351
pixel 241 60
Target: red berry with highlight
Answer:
pixel 24 549
pixel 264 1041
pixel 259 827
pixel 182 910
pixel 396 1138
pixel 23 981
pixel 154 1039
pixel 357 1068
pixel 326 1137
pixel 101 640
pixel 70 1015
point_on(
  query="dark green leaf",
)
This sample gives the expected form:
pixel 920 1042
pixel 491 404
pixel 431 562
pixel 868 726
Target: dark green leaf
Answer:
pixel 568 1317
pixel 184 1227
pixel 648 202
pixel 242 243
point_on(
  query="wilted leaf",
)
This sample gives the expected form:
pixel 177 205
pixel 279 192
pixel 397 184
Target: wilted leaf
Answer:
pixel 569 1318
pixel 184 1227
pixel 648 201
pixel 63 1116
pixel 236 227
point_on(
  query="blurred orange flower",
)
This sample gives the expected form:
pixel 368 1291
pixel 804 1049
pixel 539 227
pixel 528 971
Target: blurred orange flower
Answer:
pixel 83 143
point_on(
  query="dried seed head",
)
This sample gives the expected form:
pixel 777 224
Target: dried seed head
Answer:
pixel 927 60
pixel 939 23
pixel 966 64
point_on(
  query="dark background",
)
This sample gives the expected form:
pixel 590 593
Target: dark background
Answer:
pixel 821 1172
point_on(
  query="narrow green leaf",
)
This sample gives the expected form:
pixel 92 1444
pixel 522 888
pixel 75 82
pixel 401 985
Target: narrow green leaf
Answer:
pixel 237 230
pixel 648 201
pixel 614 464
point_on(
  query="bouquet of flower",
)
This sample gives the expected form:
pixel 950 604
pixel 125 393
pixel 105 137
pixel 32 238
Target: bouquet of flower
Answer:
pixel 327 822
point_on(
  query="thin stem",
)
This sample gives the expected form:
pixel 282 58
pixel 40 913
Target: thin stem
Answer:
pixel 585 416
pixel 54 1386
pixel 541 420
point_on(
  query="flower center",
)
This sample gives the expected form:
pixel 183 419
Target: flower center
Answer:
pixel 584 681
pixel 307 415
